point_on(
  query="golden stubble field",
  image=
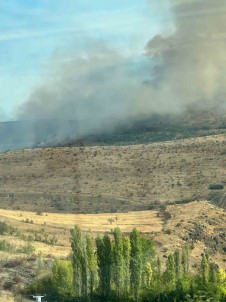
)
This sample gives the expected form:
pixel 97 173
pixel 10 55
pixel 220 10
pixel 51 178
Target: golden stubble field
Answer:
pixel 111 179
pixel 196 224
pixel 59 225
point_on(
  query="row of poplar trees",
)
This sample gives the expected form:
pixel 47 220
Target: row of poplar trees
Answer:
pixel 125 268
pixel 112 265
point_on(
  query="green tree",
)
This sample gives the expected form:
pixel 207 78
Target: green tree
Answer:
pixel 92 264
pixel 77 255
pixel 205 269
pixel 118 261
pixel 177 259
pixel 148 274
pixel 158 268
pixel 62 278
pixel 126 265
pixel 147 254
pixel 84 268
pixel 104 260
pixel 170 273
pixel 185 260
pixel 136 263
pixel 221 283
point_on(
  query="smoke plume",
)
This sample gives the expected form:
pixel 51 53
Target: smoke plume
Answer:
pixel 102 89
pixel 192 61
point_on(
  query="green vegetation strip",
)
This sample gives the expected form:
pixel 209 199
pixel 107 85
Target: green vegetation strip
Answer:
pixel 126 268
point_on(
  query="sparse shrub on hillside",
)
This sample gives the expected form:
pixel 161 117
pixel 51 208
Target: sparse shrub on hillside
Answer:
pixel 168 232
pixel 223 152
pixel 13 263
pixel 17 279
pixel 5 246
pixel 8 285
pixel 45 238
pixel 110 220
pixel 183 201
pixel 216 187
pixel 26 249
pixel 27 220
pixel 218 197
pixel 167 215
pixel 4 228
pixel 39 213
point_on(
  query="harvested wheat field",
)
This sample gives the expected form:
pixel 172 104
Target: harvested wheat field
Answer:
pixel 144 221
pixel 200 225
pixel 50 232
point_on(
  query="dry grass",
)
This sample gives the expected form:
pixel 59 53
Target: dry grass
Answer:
pixel 111 179
pixel 196 224
pixel 168 234
pixel 59 225
pixel 6 296
pixel 145 221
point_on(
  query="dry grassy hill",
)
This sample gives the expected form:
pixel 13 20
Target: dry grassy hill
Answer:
pixel 112 179
pixel 44 192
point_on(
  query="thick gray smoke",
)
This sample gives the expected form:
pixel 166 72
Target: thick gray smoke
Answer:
pixel 101 89
pixel 192 61
pixel 98 90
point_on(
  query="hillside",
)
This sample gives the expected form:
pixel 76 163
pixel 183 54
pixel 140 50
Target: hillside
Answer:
pixel 199 225
pixel 158 188
pixel 113 179
pixel 16 135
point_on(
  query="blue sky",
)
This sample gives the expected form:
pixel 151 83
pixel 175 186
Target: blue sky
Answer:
pixel 36 32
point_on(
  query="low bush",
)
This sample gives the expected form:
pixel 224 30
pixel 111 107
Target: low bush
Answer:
pixel 216 187
pixel 26 249
pixel 4 228
pixel 5 246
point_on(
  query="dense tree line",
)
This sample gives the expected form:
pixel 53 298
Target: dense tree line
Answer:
pixel 125 268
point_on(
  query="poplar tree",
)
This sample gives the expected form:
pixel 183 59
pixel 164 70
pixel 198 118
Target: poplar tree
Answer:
pixel 136 263
pixel 177 259
pixel 79 261
pixel 84 268
pixel 158 268
pixel 158 276
pixel 170 271
pixel 205 269
pixel 185 260
pixel 76 245
pixel 213 273
pixel 104 260
pixel 118 260
pixel 126 264
pixel 92 263
pixel 148 254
